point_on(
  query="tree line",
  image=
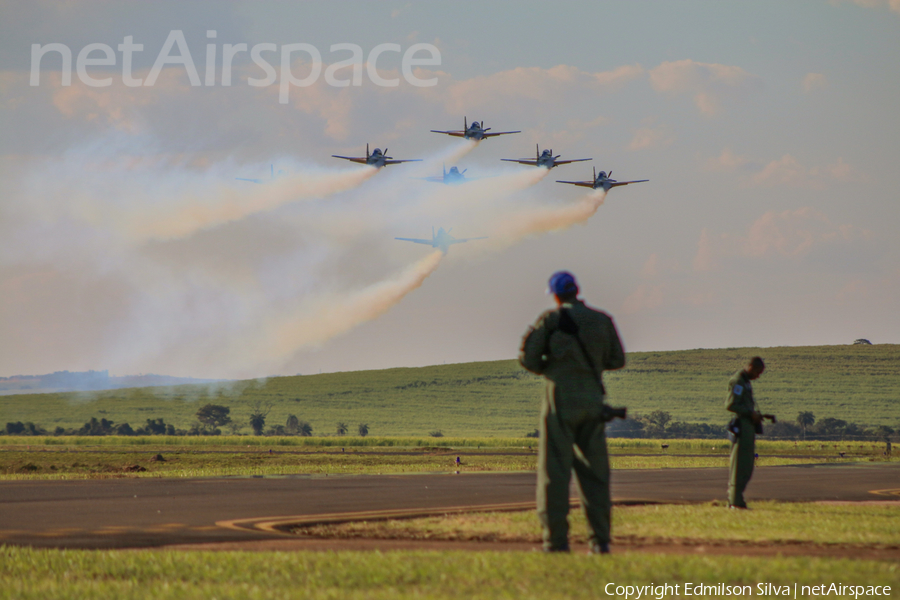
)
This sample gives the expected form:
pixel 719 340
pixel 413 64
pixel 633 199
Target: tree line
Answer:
pixel 660 424
pixel 211 419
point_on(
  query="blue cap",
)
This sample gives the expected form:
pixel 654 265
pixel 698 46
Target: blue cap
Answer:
pixel 562 283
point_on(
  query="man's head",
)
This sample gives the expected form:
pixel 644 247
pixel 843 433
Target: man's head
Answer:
pixel 755 367
pixel 562 285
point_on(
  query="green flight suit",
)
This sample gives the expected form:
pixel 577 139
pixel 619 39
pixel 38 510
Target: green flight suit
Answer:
pixel 743 449
pixel 572 432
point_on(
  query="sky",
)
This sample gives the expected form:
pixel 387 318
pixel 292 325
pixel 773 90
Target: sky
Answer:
pixel 768 131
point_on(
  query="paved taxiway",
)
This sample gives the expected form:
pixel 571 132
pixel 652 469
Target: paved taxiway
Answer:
pixel 144 512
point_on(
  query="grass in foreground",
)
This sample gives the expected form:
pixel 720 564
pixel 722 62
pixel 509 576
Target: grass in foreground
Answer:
pixel 105 457
pixel 768 522
pixel 38 574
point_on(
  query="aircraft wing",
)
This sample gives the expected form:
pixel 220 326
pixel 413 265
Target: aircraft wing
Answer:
pixel 250 180
pixel 487 135
pixel 453 133
pixel 416 241
pixel 466 240
pixel 618 183
pixel 433 178
pixel 355 159
pixel 565 162
pixel 397 162
pixel 588 184
pixel 522 161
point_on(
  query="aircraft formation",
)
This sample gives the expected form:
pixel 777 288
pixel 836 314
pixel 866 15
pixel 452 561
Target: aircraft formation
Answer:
pixel 442 240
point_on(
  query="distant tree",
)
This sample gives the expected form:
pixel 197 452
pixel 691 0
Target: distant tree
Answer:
pixel 304 429
pixel 292 426
pixel 124 429
pixel 626 428
pixel 363 429
pixel 533 434
pixel 258 413
pixel 59 431
pixel 436 433
pixel 660 418
pixel 199 428
pixel 783 430
pixel 15 428
pixel 214 415
pixel 831 428
pixel 805 419
pixel 276 430
pixel 235 428
pixel 154 427
pixel 342 428
pixel 95 427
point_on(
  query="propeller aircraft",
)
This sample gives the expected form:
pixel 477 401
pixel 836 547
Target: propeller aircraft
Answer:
pixel 602 181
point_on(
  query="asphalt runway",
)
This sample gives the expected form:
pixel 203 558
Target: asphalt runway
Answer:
pixel 144 512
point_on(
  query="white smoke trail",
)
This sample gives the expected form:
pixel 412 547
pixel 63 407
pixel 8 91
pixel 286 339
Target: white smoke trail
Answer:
pixel 314 323
pixel 478 196
pixel 541 219
pixel 195 212
pixel 186 297
pixel 145 199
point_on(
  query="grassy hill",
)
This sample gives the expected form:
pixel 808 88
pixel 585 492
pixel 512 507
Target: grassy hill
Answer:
pixel 856 383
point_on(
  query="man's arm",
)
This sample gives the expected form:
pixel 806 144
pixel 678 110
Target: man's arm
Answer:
pixel 613 354
pixel 738 401
pixel 534 347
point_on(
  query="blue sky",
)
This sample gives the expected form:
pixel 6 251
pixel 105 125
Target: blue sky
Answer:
pixel 768 131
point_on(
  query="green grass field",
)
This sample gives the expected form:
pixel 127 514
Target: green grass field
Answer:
pixel 29 574
pixel 859 384
pixel 114 456
pixel 768 522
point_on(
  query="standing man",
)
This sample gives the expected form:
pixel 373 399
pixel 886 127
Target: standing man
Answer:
pixel 740 401
pixel 571 347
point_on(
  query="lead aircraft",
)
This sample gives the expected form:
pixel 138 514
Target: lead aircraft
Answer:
pixel 474 132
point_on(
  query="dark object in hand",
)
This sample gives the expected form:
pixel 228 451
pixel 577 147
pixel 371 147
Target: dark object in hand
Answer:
pixel 759 427
pixel 610 412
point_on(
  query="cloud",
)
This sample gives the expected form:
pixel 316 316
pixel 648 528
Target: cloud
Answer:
pixel 796 235
pixel 729 161
pixel 843 172
pixel 645 298
pixel 893 5
pixel 786 171
pixel 706 258
pixel 708 83
pixel 651 137
pixel 789 172
pixel 524 87
pixel 655 266
pixel 814 81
